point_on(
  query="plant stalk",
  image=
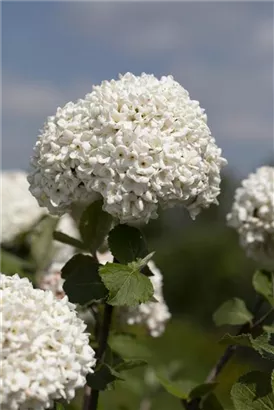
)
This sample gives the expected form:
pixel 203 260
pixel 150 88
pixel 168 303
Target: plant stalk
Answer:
pixel 103 338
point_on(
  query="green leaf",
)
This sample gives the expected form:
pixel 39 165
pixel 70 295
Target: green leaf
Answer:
pixel 240 340
pixel 263 283
pixel 268 329
pixel 101 378
pixel 232 312
pixel 272 381
pixel 202 390
pixel 127 244
pixel 11 263
pixel 83 283
pixel 253 392
pixel 94 225
pixel 129 365
pixel 68 240
pixel 172 387
pixel 41 239
pixel 211 403
pixel 129 347
pixel 262 345
pixel 127 286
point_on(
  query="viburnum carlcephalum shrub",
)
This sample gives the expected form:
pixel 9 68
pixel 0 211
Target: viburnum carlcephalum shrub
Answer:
pixel 45 352
pixel 111 160
pixel 252 215
pixel 138 143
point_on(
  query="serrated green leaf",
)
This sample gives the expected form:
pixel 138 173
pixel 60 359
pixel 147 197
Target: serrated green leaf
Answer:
pixel 127 286
pixel 129 347
pixel 211 403
pixel 240 340
pixel 68 240
pixel 232 312
pixel 263 346
pixel 94 225
pixel 253 392
pixel 83 283
pixel 127 244
pixel 101 378
pixel 172 387
pixel 41 241
pixel 202 390
pixel 263 283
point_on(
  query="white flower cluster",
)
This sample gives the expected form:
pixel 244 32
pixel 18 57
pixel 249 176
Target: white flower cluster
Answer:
pixel 137 142
pixel 252 215
pixel 153 315
pixel 19 210
pixel 45 353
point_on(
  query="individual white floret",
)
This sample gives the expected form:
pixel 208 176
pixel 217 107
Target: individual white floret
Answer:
pixel 252 215
pixel 45 352
pixel 138 143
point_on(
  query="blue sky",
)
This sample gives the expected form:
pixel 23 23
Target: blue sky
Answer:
pixel 222 53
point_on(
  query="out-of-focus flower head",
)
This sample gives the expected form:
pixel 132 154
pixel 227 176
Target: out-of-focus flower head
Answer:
pixel 19 210
pixel 252 215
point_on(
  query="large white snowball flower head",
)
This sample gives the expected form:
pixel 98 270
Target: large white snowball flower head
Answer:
pixel 45 351
pixel 153 315
pixel 252 215
pixel 19 210
pixel 138 143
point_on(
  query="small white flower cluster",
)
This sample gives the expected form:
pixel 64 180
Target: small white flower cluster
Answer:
pixel 45 352
pixel 252 215
pixel 19 210
pixel 153 315
pixel 137 142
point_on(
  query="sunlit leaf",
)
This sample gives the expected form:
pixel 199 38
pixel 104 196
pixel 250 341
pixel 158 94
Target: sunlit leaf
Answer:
pixel 232 312
pixel 127 286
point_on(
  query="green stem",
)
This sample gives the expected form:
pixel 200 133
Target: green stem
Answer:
pixel 103 338
pixel 262 319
